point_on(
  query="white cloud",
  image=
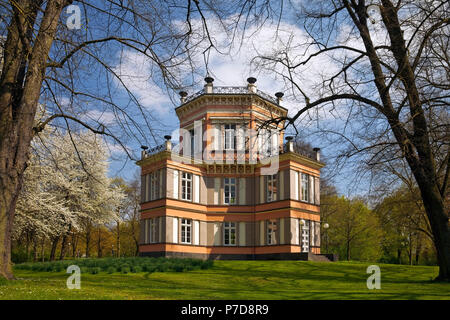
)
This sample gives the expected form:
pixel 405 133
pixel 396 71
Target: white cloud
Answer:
pixel 135 70
pixel 103 117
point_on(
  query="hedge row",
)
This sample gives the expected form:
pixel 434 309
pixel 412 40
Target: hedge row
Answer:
pixel 122 265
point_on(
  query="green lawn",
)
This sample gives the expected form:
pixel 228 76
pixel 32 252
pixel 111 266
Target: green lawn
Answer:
pixel 237 280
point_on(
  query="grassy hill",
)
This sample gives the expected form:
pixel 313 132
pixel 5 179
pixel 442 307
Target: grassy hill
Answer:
pixel 237 280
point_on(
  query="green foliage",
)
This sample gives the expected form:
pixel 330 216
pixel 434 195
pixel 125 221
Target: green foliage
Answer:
pixel 94 270
pixel 125 269
pixel 406 235
pixel 136 269
pixel 111 269
pixel 19 255
pixel 354 231
pixel 123 265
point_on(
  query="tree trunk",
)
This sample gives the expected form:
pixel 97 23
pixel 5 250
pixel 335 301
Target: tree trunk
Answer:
pixel 99 244
pixel 43 249
pixel 53 248
pixel 415 146
pixel 74 245
pixel 118 239
pixel 20 87
pixel 63 247
pixel 27 245
pixel 35 251
pixel 348 250
pixel 418 248
pixel 88 239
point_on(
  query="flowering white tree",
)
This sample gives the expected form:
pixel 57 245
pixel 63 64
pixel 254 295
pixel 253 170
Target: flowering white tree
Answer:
pixel 66 189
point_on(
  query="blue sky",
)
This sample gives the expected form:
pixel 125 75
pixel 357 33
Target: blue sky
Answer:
pixel 150 106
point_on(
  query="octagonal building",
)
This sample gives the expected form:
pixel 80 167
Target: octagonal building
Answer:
pixel 230 189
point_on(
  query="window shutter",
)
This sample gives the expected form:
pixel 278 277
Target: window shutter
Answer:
pixel 196 226
pixel 198 139
pixel 281 184
pixel 261 232
pixel 242 191
pixel 295 184
pixel 217 135
pixel 196 182
pixel 240 138
pixel 317 190
pixel 216 190
pixel 143 185
pixel 175 229
pixel 149 188
pixel 175 184
pixel 261 189
pixel 311 198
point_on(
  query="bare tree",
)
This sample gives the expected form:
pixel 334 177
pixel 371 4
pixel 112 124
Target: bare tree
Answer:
pixel 77 70
pixel 388 71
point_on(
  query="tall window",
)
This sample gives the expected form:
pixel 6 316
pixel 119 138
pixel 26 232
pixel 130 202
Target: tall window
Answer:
pixel 152 230
pixel 266 143
pixel 230 191
pixel 305 236
pixel 186 186
pixel 272 232
pixel 229 233
pixel 272 188
pixel 305 187
pixel 230 136
pixel 154 185
pixel 186 227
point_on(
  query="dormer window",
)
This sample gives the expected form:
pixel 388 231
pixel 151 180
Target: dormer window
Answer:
pixel 230 137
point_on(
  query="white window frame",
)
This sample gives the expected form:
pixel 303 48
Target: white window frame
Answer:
pixel 305 235
pixel 304 186
pixel 230 184
pixel 152 230
pixel 230 136
pixel 271 186
pixel 229 229
pixel 186 186
pixel 272 228
pixel 186 231
pixel 154 185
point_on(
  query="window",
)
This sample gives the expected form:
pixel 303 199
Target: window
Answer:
pixel 186 226
pixel 154 185
pixel 305 187
pixel 272 232
pixel 230 136
pixel 266 145
pixel 230 191
pixel 272 188
pixel 186 186
pixel 305 235
pixel 229 233
pixel 152 230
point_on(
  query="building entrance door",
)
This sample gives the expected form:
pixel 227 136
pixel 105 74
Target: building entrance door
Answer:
pixel 305 236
